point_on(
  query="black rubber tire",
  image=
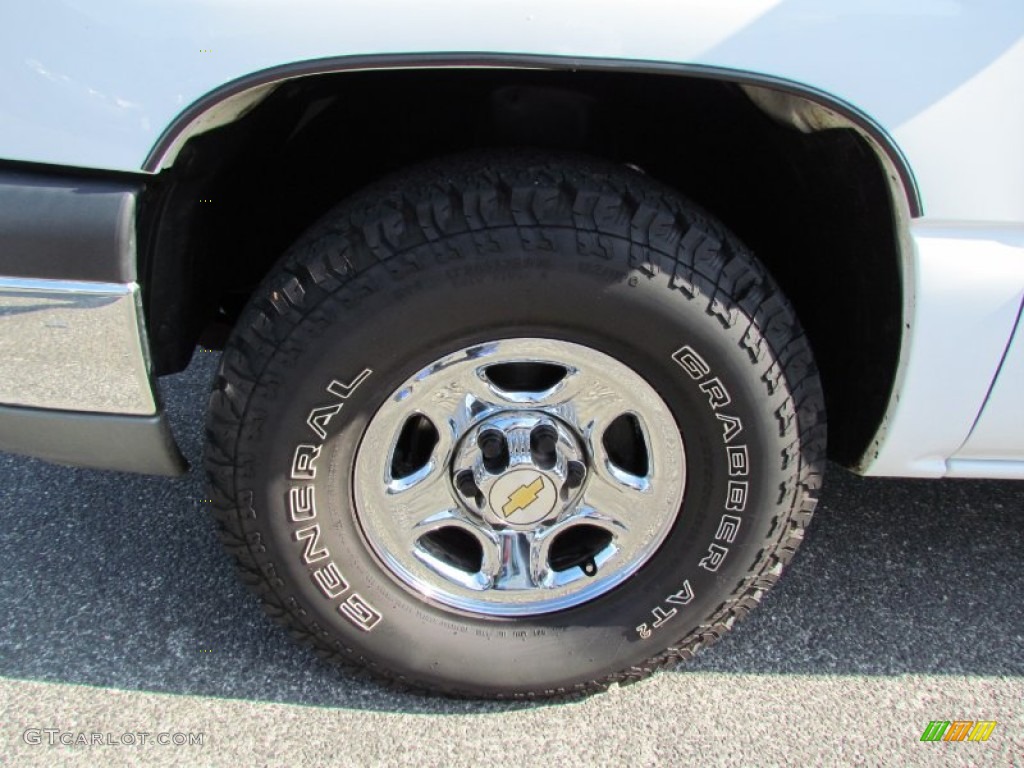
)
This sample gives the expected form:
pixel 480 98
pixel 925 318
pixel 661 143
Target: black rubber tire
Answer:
pixel 493 246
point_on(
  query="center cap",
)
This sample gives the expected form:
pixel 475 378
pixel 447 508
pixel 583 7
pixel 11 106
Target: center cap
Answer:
pixel 523 497
pixel 519 469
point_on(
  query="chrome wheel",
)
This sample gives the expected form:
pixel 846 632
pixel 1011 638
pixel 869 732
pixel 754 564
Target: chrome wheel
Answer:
pixel 519 477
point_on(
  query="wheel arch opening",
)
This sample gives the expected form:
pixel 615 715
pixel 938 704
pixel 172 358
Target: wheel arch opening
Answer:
pixel 816 190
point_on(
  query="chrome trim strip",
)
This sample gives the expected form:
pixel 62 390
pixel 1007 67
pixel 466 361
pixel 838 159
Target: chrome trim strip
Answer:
pixel 73 345
pixel 40 285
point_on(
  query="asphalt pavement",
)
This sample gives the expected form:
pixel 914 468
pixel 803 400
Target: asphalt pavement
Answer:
pixel 123 616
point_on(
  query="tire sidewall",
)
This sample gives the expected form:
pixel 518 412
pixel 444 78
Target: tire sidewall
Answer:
pixel 393 320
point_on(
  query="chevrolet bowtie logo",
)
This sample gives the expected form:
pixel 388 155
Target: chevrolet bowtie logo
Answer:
pixel 522 497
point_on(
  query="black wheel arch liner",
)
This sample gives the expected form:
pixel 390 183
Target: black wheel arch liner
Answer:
pixel 179 131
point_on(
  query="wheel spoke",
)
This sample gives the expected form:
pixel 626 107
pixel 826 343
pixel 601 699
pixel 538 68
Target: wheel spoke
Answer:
pixel 509 564
pixel 453 408
pixel 420 497
pixel 613 500
pixel 588 401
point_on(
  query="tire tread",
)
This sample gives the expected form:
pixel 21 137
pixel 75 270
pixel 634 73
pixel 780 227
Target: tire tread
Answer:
pixel 603 205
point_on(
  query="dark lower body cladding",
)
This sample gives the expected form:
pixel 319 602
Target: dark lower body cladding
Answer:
pixel 75 383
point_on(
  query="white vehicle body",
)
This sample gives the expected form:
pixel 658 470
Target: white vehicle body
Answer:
pixel 934 84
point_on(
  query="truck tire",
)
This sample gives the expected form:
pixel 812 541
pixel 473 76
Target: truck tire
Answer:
pixel 514 425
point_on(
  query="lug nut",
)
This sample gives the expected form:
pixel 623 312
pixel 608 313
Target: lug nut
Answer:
pixel 575 474
pixel 493 448
pixel 490 445
pixel 543 441
pixel 466 485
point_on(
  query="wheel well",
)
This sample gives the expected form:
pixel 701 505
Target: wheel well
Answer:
pixel 815 207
